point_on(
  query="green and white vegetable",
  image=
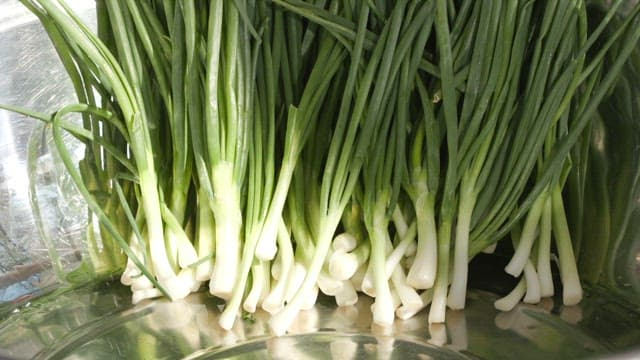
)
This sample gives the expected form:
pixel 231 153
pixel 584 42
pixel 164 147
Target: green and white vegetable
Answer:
pixel 272 150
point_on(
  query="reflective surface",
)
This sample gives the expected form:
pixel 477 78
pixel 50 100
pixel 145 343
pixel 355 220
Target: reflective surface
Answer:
pixel 99 322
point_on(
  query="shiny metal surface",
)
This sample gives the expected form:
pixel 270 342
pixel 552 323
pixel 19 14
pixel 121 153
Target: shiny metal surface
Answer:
pixel 40 211
pixel 99 322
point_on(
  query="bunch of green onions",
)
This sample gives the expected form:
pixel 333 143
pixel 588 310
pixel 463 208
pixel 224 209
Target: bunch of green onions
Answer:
pixel 274 149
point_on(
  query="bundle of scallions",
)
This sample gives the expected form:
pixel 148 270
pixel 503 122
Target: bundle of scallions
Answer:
pixel 269 150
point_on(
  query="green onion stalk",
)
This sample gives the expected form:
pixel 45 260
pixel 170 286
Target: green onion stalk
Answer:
pixel 438 304
pixel 483 131
pixel 228 79
pixel 424 175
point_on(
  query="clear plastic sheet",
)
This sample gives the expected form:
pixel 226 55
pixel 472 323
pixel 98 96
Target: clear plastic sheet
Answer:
pixel 42 217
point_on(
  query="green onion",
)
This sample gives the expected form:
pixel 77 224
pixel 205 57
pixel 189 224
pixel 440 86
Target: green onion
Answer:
pixel 273 150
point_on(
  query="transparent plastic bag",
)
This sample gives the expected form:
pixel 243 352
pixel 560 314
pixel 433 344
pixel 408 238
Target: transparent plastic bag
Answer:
pixel 43 218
